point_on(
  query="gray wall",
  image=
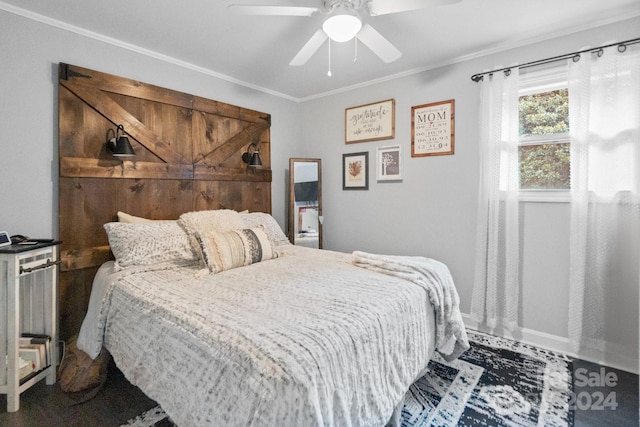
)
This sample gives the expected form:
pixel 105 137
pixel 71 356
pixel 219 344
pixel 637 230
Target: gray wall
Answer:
pixel 432 212
pixel 29 124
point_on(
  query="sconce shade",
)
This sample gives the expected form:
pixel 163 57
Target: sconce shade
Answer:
pixel 123 148
pixel 255 160
pixel 120 145
pixel 252 155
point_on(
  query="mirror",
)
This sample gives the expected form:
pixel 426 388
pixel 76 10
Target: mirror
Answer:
pixel 305 202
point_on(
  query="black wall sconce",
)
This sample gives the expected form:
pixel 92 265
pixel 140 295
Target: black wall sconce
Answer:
pixel 120 145
pixel 252 155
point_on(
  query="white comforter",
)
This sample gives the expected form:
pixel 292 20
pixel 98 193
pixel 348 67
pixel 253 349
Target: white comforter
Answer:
pixel 307 339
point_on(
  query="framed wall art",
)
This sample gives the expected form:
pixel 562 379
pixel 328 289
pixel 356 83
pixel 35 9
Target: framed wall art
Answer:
pixel 355 171
pixel 370 122
pixel 389 163
pixel 432 129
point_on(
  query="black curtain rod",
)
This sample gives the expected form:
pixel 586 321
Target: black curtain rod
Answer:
pixel 622 46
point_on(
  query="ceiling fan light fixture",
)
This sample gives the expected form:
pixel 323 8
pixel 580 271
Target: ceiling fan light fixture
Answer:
pixel 342 27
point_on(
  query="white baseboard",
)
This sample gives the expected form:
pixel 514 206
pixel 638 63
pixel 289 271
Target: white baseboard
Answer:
pixel 612 357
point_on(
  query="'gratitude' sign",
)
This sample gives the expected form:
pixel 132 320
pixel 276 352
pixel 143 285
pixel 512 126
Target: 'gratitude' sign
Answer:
pixel 370 122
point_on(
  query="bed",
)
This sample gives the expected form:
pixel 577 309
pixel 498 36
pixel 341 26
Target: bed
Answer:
pixel 223 322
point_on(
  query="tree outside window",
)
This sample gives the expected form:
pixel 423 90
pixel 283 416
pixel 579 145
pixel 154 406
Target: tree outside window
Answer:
pixel 544 151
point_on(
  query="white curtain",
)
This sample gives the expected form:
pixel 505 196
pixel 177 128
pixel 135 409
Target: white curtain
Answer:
pixel 496 289
pixel 604 120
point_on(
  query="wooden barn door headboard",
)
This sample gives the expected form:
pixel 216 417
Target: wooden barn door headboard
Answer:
pixel 188 157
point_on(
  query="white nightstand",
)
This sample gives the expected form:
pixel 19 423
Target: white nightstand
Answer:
pixel 28 305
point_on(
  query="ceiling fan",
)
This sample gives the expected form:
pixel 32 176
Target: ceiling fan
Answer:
pixel 344 22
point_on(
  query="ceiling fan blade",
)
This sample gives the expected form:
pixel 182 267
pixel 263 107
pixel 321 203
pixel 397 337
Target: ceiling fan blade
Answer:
pixel 378 44
pixel 309 48
pixel 247 9
pixel 384 7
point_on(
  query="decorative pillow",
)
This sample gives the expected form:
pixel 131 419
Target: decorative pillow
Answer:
pixel 150 243
pixel 268 223
pixel 211 220
pixel 130 219
pixel 223 250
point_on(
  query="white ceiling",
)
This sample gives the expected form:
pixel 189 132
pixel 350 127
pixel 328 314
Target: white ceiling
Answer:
pixel 256 50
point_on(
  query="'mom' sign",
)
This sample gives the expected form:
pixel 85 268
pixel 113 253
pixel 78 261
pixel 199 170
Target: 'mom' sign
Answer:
pixel 432 129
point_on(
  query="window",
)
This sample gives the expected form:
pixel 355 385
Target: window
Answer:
pixel 544 150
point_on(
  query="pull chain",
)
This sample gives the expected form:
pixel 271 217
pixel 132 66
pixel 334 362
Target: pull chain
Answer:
pixel 329 72
pixel 355 57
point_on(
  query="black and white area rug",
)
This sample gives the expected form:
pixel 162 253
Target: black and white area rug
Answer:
pixel 497 382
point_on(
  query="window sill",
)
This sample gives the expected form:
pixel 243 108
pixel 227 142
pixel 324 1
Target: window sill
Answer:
pixel 545 196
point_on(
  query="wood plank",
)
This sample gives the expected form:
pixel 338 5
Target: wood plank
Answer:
pixel 220 173
pixel 236 195
pixel 118 115
pixel 81 167
pixel 110 83
pixel 243 138
pixel 70 123
pixel 227 110
pixel 83 131
pixel 85 204
pixel 210 131
pixel 80 258
pixel 157 198
pixel 172 124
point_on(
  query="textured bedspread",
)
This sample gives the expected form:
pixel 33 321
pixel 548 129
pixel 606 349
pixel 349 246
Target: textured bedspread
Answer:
pixel 307 339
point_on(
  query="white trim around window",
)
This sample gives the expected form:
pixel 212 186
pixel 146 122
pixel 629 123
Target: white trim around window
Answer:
pixel 545 196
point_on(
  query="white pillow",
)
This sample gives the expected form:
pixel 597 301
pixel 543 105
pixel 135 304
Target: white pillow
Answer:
pixel 268 223
pixel 146 244
pixel 220 220
pixel 131 219
pixel 211 220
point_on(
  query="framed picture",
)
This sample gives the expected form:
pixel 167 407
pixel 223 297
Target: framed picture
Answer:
pixel 355 171
pixel 370 122
pixel 389 163
pixel 432 129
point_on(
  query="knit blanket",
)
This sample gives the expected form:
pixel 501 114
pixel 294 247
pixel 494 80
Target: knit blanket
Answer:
pixel 435 278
